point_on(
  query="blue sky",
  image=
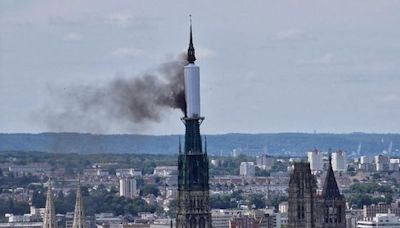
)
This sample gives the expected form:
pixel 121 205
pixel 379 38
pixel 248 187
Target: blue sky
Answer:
pixel 266 66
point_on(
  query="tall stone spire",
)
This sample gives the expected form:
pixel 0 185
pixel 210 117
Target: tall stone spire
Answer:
pixel 191 53
pixel 79 214
pixel 49 220
pixel 330 189
pixel 333 214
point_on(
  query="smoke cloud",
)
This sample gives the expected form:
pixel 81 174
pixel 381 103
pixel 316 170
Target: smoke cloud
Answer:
pixel 137 100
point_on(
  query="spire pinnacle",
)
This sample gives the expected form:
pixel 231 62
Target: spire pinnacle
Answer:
pixel 79 215
pixel 191 53
pixel 49 220
pixel 330 189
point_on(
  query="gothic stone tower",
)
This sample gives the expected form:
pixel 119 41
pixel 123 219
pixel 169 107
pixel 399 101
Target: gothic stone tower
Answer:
pixel 302 197
pixel 332 203
pixel 193 188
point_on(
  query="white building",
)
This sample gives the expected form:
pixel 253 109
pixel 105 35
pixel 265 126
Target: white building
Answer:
pixel 315 159
pixel 130 172
pixel 394 164
pixel 339 162
pixel 165 171
pixel 221 217
pixel 247 169
pixel 381 163
pixel 283 207
pixel 381 220
pixel 265 162
pixel 364 160
pixel 127 187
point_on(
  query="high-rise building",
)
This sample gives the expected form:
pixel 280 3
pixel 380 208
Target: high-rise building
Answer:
pixel 381 163
pixel 306 209
pixel 364 160
pixel 49 220
pixel 265 162
pixel 127 187
pixel 79 213
pixel 193 187
pixel 247 169
pixel 315 158
pixel 339 162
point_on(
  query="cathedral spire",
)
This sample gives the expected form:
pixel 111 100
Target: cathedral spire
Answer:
pixel 49 220
pixel 191 55
pixel 79 215
pixel 330 189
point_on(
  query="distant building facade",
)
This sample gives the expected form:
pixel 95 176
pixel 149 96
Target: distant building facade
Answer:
pixel 264 162
pixel 339 162
pixel 381 220
pixel 315 158
pixel 247 169
pixel 165 171
pixel 127 187
pixel 381 163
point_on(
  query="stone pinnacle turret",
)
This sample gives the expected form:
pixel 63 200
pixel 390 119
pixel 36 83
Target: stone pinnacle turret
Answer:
pixel 79 214
pixel 49 220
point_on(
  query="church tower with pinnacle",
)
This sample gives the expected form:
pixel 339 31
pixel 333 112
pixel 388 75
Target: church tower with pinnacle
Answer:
pixel 309 210
pixel 193 188
pixel 79 213
pixel 49 220
pixel 333 204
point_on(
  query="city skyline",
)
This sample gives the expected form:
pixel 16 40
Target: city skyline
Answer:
pixel 324 66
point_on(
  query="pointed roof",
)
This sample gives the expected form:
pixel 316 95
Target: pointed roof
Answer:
pixel 191 53
pixel 49 220
pixel 79 214
pixel 330 189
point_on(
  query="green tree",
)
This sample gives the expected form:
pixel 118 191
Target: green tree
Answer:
pixel 150 189
pixel 256 201
pixel 38 199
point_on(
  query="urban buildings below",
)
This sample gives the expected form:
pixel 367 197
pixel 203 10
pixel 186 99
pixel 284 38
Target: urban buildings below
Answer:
pixel 265 162
pixel 247 169
pixel 339 161
pixel 127 187
pixel 164 171
pixel 315 158
pixel 381 220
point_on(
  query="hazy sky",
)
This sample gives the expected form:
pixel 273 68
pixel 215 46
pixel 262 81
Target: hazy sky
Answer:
pixel 266 66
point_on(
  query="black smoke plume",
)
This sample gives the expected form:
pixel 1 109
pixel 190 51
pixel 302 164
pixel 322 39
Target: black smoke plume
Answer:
pixel 138 100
